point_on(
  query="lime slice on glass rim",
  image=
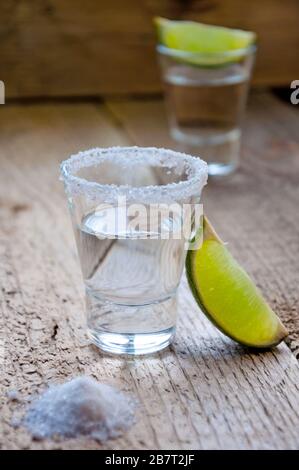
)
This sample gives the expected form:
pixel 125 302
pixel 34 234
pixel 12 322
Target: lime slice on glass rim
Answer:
pixel 203 44
pixel 227 295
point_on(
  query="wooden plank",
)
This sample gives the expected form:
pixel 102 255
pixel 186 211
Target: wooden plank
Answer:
pixel 203 392
pixel 57 48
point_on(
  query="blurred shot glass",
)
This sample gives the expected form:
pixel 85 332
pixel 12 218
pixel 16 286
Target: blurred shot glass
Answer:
pixel 206 96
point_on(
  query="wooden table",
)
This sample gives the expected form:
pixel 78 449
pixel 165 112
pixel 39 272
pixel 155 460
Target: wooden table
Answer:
pixel 205 392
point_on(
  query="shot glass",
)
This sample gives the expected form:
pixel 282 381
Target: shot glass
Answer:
pixel 134 212
pixel 205 98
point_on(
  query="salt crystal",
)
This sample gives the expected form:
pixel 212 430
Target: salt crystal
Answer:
pixel 80 407
pixel 13 395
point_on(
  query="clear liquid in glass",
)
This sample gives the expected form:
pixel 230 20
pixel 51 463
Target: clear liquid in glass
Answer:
pixel 131 276
pixel 205 108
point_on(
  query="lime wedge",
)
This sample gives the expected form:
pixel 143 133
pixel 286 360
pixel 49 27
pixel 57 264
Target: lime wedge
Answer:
pixel 228 296
pixel 210 41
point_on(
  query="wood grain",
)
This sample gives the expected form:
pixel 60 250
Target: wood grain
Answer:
pixel 204 392
pixel 58 48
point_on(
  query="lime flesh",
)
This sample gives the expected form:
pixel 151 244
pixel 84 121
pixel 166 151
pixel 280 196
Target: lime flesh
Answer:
pixel 194 37
pixel 228 296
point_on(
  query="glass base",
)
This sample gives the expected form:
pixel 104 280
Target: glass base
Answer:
pixel 130 329
pixel 221 169
pixel 220 151
pixel 133 344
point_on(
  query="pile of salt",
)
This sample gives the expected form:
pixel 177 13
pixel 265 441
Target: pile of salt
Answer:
pixel 80 407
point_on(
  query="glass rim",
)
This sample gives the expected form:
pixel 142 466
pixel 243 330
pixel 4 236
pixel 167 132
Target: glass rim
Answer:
pixel 178 53
pixel 197 177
